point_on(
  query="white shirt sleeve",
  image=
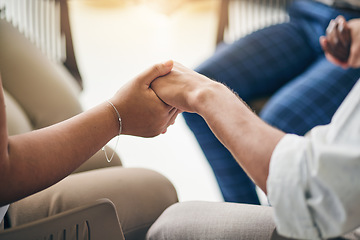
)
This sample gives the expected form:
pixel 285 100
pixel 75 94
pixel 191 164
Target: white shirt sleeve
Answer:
pixel 314 181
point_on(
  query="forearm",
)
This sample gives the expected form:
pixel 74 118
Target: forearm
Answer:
pixel 248 138
pixel 41 158
pixel 33 161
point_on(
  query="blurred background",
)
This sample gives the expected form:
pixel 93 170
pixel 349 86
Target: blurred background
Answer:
pixel 116 40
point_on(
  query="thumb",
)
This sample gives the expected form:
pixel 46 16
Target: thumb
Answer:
pixel 156 71
pixel 323 43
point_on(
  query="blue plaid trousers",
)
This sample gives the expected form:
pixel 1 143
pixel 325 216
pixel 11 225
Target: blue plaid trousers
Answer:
pixel 285 62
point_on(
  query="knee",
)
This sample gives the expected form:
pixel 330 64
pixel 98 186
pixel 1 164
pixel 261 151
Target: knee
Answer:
pixel 141 198
pixel 285 116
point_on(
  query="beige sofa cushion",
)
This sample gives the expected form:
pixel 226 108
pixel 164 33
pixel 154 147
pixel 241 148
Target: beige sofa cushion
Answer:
pixel 16 119
pixel 46 91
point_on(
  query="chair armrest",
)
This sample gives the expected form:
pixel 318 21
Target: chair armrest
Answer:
pixel 98 220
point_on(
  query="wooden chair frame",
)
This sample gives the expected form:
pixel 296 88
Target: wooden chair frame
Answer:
pixel 46 23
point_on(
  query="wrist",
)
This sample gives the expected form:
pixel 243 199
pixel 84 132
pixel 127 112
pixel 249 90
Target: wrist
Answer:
pixel 116 119
pixel 209 98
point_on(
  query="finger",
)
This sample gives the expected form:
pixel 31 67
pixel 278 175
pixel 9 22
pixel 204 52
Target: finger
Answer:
pixel 330 27
pixel 173 118
pixel 340 33
pixel 333 60
pixel 178 111
pixel 165 107
pixel 343 31
pixel 172 110
pixel 337 62
pixel 154 87
pixel 174 113
pixel 333 35
pixel 328 50
pixel 156 71
pixel 340 18
pixel 323 43
pixel 342 48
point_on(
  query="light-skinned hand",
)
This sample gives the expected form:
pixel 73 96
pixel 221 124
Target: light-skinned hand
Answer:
pixel 182 88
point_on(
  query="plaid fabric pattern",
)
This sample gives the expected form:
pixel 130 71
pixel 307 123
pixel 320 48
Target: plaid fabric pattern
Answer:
pixel 285 62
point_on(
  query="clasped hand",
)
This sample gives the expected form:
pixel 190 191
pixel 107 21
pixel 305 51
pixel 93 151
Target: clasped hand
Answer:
pixel 341 44
pixel 183 88
pixel 142 112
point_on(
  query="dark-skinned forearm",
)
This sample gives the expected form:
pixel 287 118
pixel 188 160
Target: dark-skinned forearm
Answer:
pixel 41 158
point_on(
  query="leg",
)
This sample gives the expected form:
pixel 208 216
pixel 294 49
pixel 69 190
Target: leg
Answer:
pixel 140 196
pixel 254 66
pixel 311 99
pixel 98 160
pixel 262 62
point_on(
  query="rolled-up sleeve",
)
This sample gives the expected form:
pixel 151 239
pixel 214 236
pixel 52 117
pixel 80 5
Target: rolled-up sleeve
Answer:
pixel 286 189
pixel 314 181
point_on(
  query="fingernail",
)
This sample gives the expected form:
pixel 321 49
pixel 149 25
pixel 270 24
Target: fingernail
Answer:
pixel 341 27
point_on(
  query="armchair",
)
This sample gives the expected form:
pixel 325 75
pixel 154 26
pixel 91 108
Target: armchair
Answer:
pixel 97 220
